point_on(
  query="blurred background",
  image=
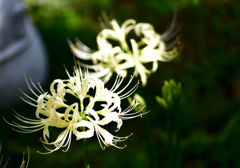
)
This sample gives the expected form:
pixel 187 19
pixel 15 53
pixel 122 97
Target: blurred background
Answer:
pixel 208 69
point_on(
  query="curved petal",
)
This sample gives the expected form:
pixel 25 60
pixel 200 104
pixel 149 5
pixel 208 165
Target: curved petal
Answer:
pixel 84 134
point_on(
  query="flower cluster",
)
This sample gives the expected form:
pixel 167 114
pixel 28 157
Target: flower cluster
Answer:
pixel 140 54
pixel 95 107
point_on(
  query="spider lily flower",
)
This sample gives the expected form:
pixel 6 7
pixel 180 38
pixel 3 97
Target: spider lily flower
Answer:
pixel 64 139
pixel 151 48
pixel 81 118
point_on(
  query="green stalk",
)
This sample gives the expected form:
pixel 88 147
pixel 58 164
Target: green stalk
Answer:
pixel 86 154
pixel 85 145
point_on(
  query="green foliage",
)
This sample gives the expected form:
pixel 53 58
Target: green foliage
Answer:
pixel 171 93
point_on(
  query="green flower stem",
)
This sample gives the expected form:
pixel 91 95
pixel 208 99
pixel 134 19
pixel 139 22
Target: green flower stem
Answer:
pixel 86 154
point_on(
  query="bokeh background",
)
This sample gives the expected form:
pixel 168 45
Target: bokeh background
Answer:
pixel 208 69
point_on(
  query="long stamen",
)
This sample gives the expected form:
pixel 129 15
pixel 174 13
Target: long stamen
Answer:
pixel 131 91
pixel 29 87
pixel 126 85
pixel 27 101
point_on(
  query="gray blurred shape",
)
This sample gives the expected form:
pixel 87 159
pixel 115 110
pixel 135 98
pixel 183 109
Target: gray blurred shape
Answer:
pixel 21 51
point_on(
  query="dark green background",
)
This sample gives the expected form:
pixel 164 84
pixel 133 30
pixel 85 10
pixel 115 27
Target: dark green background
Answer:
pixel 208 68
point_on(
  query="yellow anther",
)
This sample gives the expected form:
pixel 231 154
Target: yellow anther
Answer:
pixel 138 81
pixel 20 97
pixel 1 156
pixel 37 151
pixel 125 146
pixel 23 153
pixel 28 87
pixel 104 147
pixel 38 83
pixel 126 138
pixel 8 158
pixel 64 65
pixel 71 50
pixel 74 67
pixel 23 162
pixel 131 133
pixel 12 128
pixel 179 42
pixel 78 62
pixel 174 48
pixel 40 138
pixel 19 88
pixel 76 43
pixel 63 150
pixel 30 78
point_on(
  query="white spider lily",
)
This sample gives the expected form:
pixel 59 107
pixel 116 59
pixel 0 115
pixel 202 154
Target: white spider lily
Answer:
pixel 83 121
pixel 64 139
pixel 151 48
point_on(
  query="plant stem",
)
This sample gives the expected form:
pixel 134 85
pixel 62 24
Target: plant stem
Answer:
pixel 86 155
